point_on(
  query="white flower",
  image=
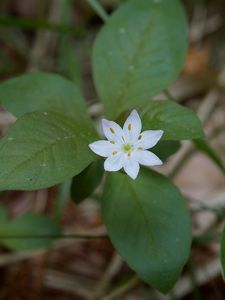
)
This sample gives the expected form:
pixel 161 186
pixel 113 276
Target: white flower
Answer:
pixel 126 148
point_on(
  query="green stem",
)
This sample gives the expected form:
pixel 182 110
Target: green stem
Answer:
pixel 168 95
pixel 191 267
pixel 98 8
pixel 33 25
pixel 87 235
pixel 61 199
pixel 206 238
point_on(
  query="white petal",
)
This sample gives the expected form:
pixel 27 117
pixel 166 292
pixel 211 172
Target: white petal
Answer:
pixel 132 126
pixel 149 138
pixel 102 148
pixel 112 131
pixel 147 158
pixel 114 162
pixel 131 167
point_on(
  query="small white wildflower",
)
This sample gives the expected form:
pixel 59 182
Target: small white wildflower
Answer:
pixel 126 148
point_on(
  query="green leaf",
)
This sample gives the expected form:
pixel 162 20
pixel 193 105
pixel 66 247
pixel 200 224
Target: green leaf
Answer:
pixel 164 149
pixel 208 150
pixel 3 214
pixel 42 149
pixel 177 121
pixel 139 51
pixel 148 223
pixel 27 232
pixel 222 253
pixel 85 183
pixel 42 91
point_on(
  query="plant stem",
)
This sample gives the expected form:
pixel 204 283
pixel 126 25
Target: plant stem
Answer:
pixel 123 289
pixel 85 235
pixel 34 25
pixel 98 8
pixel 168 95
pixel 61 199
pixel 192 272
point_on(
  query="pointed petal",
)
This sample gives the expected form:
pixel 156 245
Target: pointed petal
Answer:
pixel 112 131
pixel 131 167
pixel 102 148
pixel 149 138
pixel 114 162
pixel 132 127
pixel 147 158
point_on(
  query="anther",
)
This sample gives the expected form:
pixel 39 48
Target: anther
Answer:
pixel 112 130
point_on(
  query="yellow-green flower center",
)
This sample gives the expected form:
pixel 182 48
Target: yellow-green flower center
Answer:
pixel 127 148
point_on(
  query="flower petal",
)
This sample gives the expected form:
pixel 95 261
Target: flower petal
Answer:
pixel 102 148
pixel 147 158
pixel 112 131
pixel 114 162
pixel 132 127
pixel 131 167
pixel 149 138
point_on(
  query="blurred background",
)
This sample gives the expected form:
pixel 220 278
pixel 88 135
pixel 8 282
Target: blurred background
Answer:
pixel 57 36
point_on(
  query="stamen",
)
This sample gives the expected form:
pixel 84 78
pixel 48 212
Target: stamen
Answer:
pixel 129 154
pixel 140 137
pixel 114 152
pixel 112 130
pixel 129 126
pixel 140 148
pixel 112 142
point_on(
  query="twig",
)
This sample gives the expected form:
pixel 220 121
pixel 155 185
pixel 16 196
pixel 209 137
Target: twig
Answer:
pixel 112 269
pixel 69 283
pixel 123 289
pixel 6 259
pixel 45 42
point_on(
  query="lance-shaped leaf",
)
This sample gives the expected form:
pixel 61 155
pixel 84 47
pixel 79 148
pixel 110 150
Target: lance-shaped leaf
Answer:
pixel 148 223
pixel 177 121
pixel 140 50
pixel 42 149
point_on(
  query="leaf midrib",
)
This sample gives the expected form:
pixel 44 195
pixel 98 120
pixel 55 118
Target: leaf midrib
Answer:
pixel 151 239
pixel 134 61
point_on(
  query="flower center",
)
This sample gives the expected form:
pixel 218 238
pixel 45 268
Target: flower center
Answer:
pixel 127 148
